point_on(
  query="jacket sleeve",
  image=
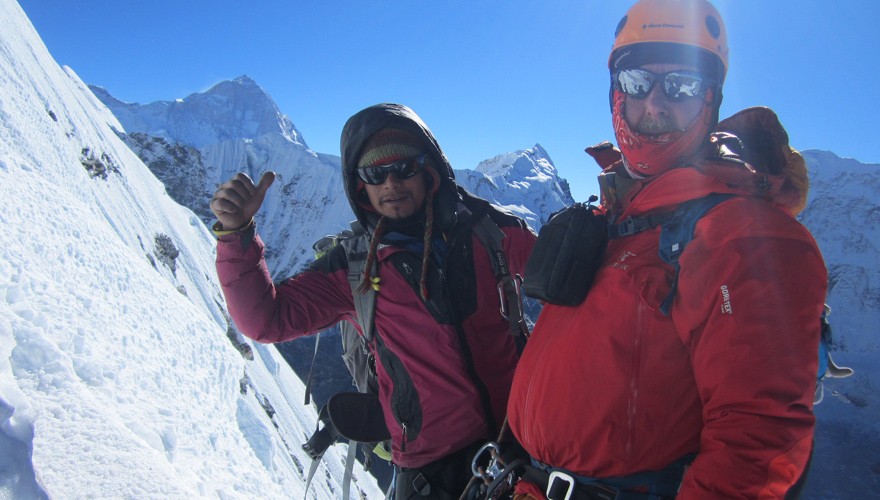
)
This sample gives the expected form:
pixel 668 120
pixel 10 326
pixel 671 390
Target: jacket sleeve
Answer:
pixel 749 301
pixel 304 304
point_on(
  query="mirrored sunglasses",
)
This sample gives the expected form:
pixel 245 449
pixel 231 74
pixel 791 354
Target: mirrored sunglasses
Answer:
pixel 402 170
pixel 677 85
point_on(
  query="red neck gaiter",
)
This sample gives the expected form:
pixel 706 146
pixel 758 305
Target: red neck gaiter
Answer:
pixel 649 155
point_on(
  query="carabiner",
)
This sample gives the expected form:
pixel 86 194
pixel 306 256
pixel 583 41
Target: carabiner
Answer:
pixel 503 296
pixel 493 468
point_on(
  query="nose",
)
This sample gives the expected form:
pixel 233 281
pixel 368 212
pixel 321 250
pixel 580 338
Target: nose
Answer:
pixel 656 102
pixel 390 181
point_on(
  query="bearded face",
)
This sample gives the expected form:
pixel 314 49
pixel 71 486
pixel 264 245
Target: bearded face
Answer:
pixel 656 127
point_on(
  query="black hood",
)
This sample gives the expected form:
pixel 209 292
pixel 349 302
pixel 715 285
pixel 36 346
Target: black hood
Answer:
pixel 357 131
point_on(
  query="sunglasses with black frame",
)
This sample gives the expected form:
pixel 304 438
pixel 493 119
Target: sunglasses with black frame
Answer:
pixel 677 85
pixel 402 170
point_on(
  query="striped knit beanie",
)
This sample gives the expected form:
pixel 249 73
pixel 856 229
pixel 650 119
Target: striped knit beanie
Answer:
pixel 390 145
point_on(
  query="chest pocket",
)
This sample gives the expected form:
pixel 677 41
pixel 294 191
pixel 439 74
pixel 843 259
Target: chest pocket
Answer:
pixel 462 278
pixel 635 267
pixel 409 266
pixel 655 283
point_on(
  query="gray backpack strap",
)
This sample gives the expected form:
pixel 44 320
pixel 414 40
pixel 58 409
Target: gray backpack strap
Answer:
pixel 356 249
pixel 509 287
pixel 357 355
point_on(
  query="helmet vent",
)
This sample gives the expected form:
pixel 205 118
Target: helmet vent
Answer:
pixel 620 25
pixel 713 27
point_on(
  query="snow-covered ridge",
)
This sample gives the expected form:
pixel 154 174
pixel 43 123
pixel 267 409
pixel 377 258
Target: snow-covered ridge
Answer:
pixel 120 375
pixel 307 201
pixel 231 109
pixel 525 182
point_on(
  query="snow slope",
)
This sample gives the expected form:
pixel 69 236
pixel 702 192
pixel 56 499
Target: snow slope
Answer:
pixel 117 376
pixel 236 127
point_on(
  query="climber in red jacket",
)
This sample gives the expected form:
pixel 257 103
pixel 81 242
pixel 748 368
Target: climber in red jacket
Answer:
pixel 713 400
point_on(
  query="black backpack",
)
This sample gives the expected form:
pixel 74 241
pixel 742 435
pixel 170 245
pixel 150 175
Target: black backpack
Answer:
pixel 567 255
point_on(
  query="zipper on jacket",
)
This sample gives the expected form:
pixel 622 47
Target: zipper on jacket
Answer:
pixel 400 411
pixel 635 364
pixel 482 390
pixel 403 441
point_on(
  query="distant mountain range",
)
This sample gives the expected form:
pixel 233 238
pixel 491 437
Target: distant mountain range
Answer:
pixel 195 143
pixel 236 127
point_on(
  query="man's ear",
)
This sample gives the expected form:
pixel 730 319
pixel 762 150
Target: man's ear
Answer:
pixel 714 102
pixel 363 200
pixel 432 179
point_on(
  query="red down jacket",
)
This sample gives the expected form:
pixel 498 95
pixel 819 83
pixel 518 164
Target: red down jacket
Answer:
pixel 450 407
pixel 613 387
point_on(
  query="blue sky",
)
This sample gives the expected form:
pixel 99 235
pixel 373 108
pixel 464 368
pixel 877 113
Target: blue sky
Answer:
pixel 488 76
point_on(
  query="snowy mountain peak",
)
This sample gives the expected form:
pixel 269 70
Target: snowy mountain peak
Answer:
pixel 525 182
pixel 243 90
pixel 245 80
pixel 831 162
pixel 230 110
pixel 528 159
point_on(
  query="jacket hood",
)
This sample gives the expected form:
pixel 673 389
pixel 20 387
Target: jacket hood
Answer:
pixel 748 154
pixel 357 131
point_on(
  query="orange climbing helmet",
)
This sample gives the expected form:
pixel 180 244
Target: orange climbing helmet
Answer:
pixel 674 31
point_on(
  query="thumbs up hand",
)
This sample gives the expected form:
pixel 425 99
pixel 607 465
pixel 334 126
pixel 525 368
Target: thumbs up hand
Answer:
pixel 236 201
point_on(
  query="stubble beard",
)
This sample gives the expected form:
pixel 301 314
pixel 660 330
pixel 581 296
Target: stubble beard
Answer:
pixel 656 126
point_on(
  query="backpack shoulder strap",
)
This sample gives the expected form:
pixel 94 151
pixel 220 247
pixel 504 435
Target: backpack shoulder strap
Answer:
pixel 509 287
pixel 678 231
pixel 356 244
pixel 356 249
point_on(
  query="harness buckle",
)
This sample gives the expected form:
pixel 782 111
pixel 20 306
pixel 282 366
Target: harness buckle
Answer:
pixel 556 482
pixel 626 227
